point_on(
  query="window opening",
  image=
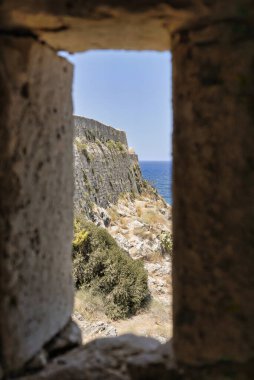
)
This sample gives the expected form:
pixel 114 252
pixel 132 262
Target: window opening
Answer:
pixel 122 247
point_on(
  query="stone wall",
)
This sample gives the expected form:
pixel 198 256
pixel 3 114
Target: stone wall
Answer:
pixel 86 127
pixel 36 189
pixel 104 168
pixel 213 219
pixel 213 212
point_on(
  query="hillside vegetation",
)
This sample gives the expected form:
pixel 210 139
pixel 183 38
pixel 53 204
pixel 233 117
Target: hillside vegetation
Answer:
pixel 101 267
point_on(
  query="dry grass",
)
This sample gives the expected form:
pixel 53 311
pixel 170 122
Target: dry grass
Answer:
pixel 155 257
pixel 155 321
pixel 152 217
pixel 124 198
pixel 168 283
pixel 113 214
pixel 158 310
pixel 123 221
pixel 139 211
pixel 143 233
pixel 91 307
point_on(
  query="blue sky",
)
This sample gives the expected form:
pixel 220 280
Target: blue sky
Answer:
pixel 129 91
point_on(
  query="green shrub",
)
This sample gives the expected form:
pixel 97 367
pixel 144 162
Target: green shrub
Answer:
pixel 120 146
pixel 90 135
pixel 116 145
pixel 82 147
pixel 100 265
pixel 87 182
pixel 110 144
pixel 80 239
pixel 166 243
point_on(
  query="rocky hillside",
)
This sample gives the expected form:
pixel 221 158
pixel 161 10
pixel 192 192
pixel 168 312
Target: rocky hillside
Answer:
pixel 104 166
pixel 110 191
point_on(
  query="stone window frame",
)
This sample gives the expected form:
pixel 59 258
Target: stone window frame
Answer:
pixel 201 35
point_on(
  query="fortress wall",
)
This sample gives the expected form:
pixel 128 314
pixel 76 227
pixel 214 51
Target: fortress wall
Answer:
pixel 102 170
pixel 85 126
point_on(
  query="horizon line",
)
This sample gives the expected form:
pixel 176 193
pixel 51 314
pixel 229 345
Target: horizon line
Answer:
pixel 155 160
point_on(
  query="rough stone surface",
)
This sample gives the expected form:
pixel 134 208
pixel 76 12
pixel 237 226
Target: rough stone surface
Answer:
pixel 83 25
pixel 36 189
pixel 213 181
pixel 130 357
pixel 89 128
pixel 94 329
pixel 213 184
pixel 123 24
pixel 122 358
pixel 69 337
pixel 103 167
pixel 38 362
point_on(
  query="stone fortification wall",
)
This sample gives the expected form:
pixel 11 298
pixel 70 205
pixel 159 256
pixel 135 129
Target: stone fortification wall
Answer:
pixel 104 167
pixel 86 127
pixel 36 189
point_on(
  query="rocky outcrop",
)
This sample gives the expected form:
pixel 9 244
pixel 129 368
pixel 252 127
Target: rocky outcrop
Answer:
pixel 104 166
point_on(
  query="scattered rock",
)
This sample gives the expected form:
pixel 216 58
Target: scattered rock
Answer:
pixel 105 217
pixel 101 328
pixel 114 229
pixel 90 330
pixel 122 241
pixel 135 224
pixel 163 268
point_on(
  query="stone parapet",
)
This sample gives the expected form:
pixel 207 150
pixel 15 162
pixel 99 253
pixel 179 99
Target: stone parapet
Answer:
pixel 89 127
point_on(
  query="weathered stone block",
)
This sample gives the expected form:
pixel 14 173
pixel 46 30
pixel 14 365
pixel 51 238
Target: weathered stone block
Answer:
pixel 36 189
pixel 213 217
pixel 127 357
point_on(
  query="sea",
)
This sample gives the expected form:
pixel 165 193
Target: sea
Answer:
pixel 159 174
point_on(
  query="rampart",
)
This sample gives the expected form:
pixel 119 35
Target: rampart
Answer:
pixel 103 166
pixel 86 127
